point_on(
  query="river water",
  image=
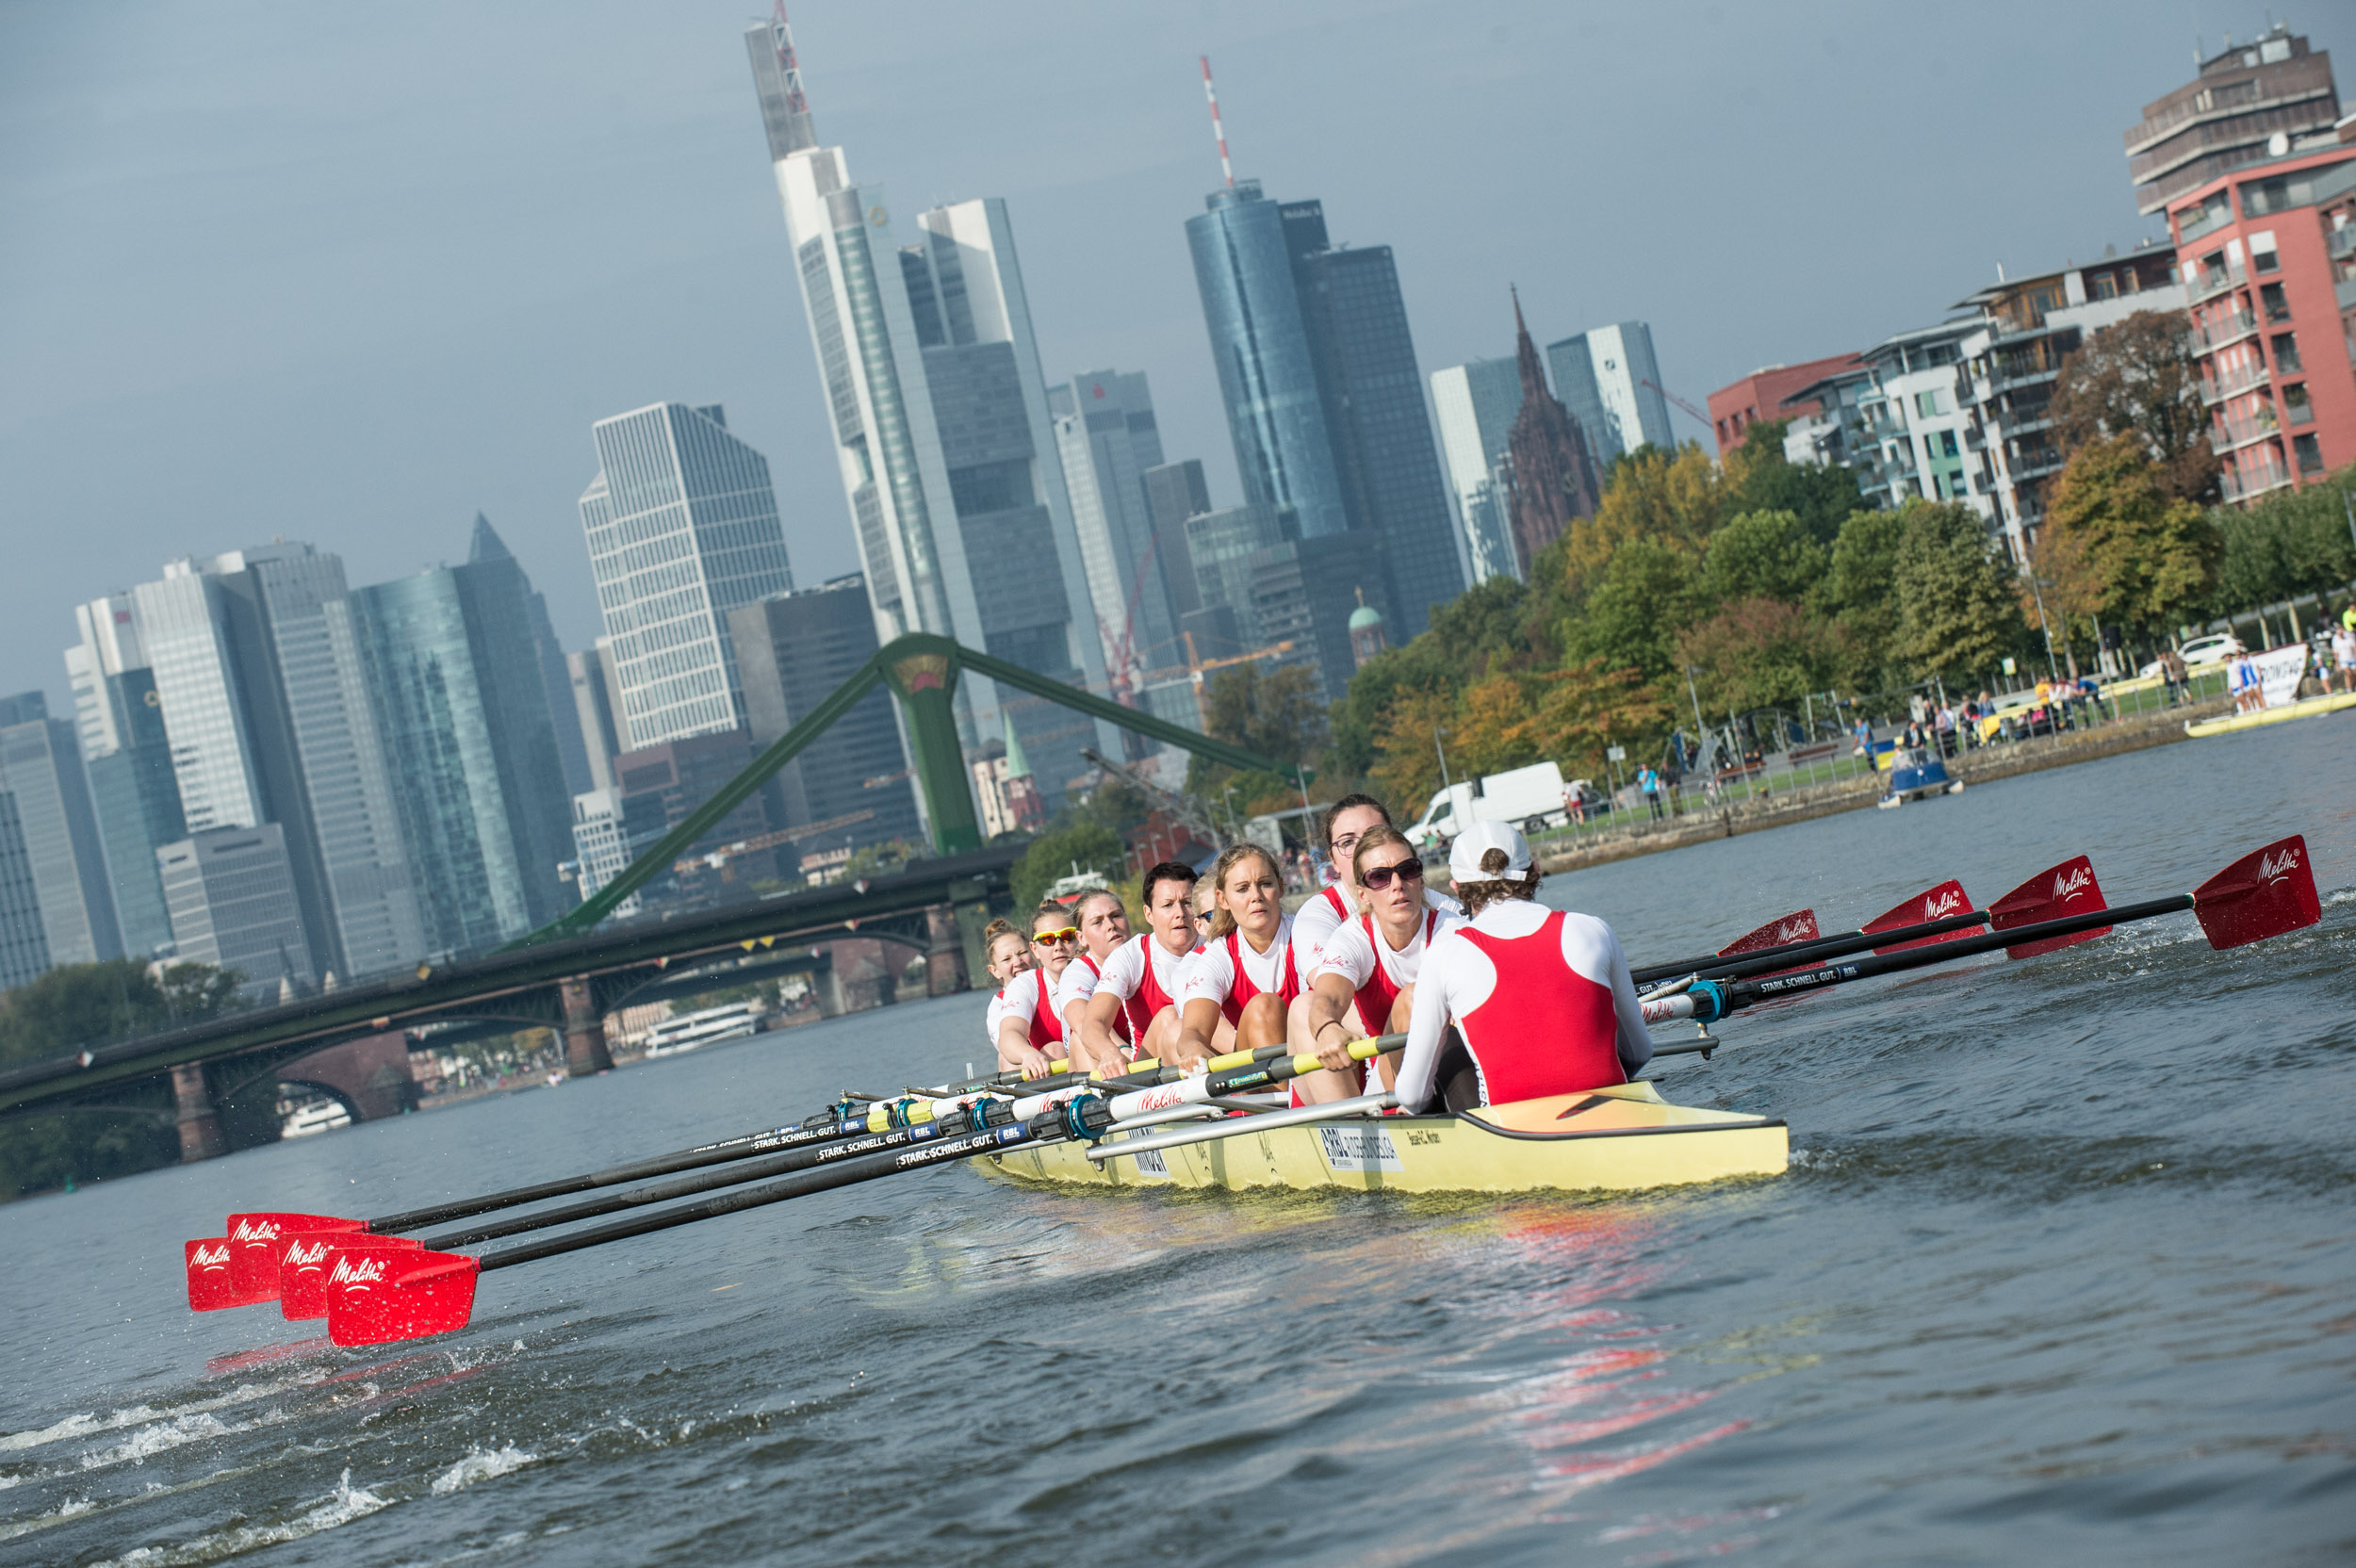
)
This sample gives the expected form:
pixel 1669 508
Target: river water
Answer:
pixel 2064 1270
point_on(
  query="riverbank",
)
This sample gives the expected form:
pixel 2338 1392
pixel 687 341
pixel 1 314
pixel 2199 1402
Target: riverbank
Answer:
pixel 1987 765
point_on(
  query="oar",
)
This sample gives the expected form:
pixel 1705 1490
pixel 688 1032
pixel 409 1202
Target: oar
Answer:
pixel 1229 1127
pixel 303 1274
pixel 2265 893
pixel 244 1266
pixel 375 1296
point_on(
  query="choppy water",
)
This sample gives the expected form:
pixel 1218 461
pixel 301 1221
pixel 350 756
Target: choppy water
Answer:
pixel 2062 1273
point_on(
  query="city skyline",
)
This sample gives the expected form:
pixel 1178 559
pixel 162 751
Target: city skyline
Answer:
pixel 324 429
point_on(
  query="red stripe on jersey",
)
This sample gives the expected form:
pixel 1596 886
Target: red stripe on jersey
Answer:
pixel 1546 1028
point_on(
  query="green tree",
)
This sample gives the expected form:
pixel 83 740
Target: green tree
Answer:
pixel 1358 718
pixel 1857 594
pixel 880 860
pixel 1277 713
pixel 2120 545
pixel 1821 495
pixel 1759 653
pixel 1050 857
pixel 1649 592
pixel 2138 377
pixel 2291 542
pixel 1958 610
pixel 1484 625
pixel 1765 555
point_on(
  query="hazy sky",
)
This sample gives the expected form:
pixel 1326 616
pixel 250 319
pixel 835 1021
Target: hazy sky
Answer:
pixel 349 273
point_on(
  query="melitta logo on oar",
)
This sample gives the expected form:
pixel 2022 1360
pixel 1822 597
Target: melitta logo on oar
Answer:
pixel 2069 889
pixel 366 1268
pixel 2076 880
pixel 305 1254
pixel 209 1255
pixel 2273 869
pixel 1945 902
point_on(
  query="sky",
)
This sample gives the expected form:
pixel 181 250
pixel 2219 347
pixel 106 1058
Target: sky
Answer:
pixel 351 274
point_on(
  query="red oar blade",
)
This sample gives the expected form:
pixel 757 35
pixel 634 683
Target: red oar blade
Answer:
pixel 1799 927
pixel 1938 903
pixel 211 1286
pixel 375 1297
pixel 256 1241
pixel 2069 889
pixel 2259 895
pixel 310 1254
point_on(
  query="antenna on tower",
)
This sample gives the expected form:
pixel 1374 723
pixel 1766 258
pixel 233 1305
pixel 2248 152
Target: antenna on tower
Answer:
pixel 781 34
pixel 1209 92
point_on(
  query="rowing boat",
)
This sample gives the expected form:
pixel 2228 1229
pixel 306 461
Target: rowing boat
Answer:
pixel 1621 1138
pixel 2310 708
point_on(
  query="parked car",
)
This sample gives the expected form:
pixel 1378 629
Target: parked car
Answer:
pixel 2213 650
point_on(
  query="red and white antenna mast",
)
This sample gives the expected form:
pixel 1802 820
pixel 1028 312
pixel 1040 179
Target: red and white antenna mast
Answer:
pixel 1218 129
pixel 788 66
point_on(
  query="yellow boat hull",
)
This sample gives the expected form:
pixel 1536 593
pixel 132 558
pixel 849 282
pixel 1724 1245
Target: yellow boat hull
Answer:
pixel 2306 710
pixel 1623 1139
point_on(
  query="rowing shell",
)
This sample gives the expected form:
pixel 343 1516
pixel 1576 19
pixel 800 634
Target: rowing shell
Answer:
pixel 1623 1137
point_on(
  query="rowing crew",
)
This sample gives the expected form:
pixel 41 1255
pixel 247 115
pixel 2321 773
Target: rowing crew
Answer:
pixel 1499 997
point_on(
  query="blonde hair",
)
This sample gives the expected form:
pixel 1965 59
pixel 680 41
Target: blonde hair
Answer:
pixel 996 929
pixel 1222 918
pixel 1476 896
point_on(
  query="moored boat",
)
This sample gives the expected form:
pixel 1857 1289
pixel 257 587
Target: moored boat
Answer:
pixel 2310 708
pixel 1623 1137
pixel 1915 772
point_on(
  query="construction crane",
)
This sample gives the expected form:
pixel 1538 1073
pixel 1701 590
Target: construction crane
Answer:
pixel 717 859
pixel 1689 408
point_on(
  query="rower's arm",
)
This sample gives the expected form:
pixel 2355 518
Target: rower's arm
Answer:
pixel 1419 1063
pixel 1198 1022
pixel 1015 1050
pixel 1329 997
pixel 1100 1048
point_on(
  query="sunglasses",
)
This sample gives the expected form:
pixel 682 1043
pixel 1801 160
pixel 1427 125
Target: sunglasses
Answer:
pixel 1379 877
pixel 1069 933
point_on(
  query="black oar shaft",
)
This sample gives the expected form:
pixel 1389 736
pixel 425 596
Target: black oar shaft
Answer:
pixel 1047 1127
pixel 1744 965
pixel 1745 992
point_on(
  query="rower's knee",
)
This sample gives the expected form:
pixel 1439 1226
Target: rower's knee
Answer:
pixel 1261 1023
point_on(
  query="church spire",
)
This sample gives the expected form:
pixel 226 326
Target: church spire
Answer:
pixel 1552 478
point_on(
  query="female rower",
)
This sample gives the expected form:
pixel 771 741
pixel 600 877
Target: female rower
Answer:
pixel 1364 984
pixel 1348 821
pixel 1140 982
pixel 1104 926
pixel 1245 975
pixel 1029 1017
pixel 1008 958
pixel 1540 998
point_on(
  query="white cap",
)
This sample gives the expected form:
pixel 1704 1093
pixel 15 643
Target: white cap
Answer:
pixel 1464 855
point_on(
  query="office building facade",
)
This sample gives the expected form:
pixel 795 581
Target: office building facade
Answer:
pixel 1304 592
pixel 40 772
pixel 939 418
pixel 588 672
pixel 1108 441
pixel 1173 493
pixel 1609 380
pixel 2228 116
pixel 572 750
pixel 682 526
pixel 853 787
pixel 128 758
pixel 1767 392
pixel 231 893
pixel 1475 404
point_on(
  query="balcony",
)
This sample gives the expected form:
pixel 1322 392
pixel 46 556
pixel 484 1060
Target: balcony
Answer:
pixel 2241 484
pixel 2231 436
pixel 2341 243
pixel 2214 281
pixel 2232 384
pixel 2218 334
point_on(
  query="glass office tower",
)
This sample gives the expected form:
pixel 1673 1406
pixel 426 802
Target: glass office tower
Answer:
pixel 1477 403
pixel 1609 380
pixel 40 772
pixel 1106 430
pixel 682 526
pixel 128 758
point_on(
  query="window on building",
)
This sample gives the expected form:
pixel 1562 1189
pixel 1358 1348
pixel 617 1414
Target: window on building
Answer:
pixel 2104 287
pixel 1944 442
pixel 2266 260
pixel 2277 307
pixel 2296 405
pixel 2310 453
pixel 2287 354
pixel 1927 403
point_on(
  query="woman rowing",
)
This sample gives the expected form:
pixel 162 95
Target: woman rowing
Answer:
pixel 1364 984
pixel 1540 999
pixel 1104 926
pixel 1244 976
pixel 1140 982
pixel 1007 957
pixel 1029 1020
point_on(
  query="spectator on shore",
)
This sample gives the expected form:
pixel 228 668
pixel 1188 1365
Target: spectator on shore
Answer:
pixel 2173 672
pixel 1649 782
pixel 1864 736
pixel 2343 654
pixel 1945 721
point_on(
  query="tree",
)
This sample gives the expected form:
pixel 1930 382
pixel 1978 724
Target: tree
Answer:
pixel 1587 706
pixel 1484 625
pixel 1649 591
pixel 1419 720
pixel 2291 542
pixel 2119 545
pixel 1857 594
pixel 1678 499
pixel 2138 377
pixel 880 860
pixel 1958 614
pixel 1765 555
pixel 1090 845
pixel 1759 653
pixel 1821 495
pixel 1278 714
pixel 1358 717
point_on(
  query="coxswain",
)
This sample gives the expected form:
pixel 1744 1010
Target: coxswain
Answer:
pixel 1139 984
pixel 1244 976
pixel 1540 1000
pixel 1007 957
pixel 1030 1016
pixel 1364 985
pixel 1104 926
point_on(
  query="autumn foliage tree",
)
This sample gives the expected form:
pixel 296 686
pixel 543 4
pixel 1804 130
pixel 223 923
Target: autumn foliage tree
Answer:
pixel 2138 378
pixel 2120 545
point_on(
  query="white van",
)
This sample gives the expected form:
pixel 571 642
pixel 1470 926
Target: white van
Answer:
pixel 1530 798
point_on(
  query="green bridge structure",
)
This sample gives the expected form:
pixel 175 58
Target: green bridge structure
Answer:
pixel 351 1042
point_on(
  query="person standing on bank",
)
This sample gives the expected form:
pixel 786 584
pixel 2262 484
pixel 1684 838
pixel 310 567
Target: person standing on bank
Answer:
pixel 1540 1000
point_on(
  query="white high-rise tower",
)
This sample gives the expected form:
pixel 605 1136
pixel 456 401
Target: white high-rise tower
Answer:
pixel 940 424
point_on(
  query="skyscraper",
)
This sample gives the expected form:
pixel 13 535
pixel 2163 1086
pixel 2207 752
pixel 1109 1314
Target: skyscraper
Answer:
pixel 40 772
pixel 593 709
pixel 232 896
pixel 1609 380
pixel 939 414
pixel 1173 493
pixel 128 758
pixel 448 666
pixel 1105 434
pixel 682 526
pixel 2244 96
pixel 571 749
pixel 1477 404
pixel 1554 475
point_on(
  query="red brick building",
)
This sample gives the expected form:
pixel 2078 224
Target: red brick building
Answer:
pixel 2268 255
pixel 1734 408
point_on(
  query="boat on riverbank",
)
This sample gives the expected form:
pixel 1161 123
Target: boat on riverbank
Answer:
pixel 1915 774
pixel 1621 1138
pixel 2310 708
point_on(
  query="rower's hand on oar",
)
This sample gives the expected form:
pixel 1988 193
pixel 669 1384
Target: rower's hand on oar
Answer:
pixel 1332 1043
pixel 1033 1062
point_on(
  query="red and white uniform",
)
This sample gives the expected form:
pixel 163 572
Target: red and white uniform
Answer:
pixel 1029 996
pixel 1145 975
pixel 1359 954
pixel 1315 921
pixel 1228 972
pixel 1541 998
pixel 1080 979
